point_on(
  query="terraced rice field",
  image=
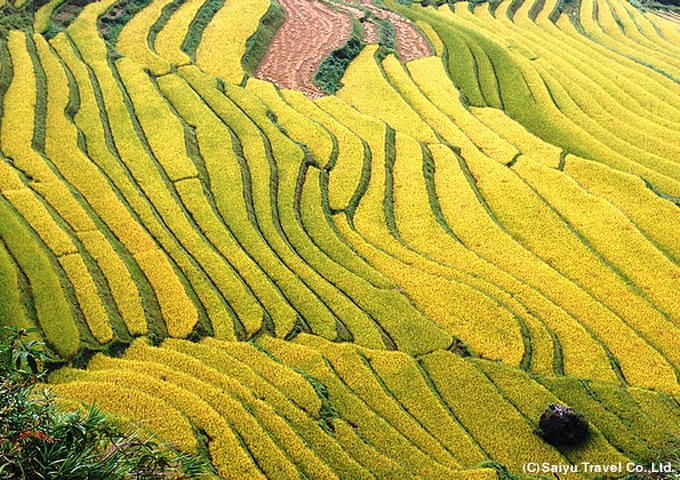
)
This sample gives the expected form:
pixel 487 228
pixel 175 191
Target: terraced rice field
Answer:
pixel 393 281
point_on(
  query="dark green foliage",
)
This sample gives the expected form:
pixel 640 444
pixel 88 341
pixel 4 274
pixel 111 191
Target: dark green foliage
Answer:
pixel 203 17
pixel 121 13
pixel 64 15
pixel 12 19
pixel 40 440
pixel 331 70
pixel 256 46
pixel 562 425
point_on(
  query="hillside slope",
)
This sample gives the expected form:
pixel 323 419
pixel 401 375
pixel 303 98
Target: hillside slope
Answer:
pixel 392 281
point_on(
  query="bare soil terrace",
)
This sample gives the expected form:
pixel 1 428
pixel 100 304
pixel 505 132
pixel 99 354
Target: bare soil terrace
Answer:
pixel 313 29
pixel 310 32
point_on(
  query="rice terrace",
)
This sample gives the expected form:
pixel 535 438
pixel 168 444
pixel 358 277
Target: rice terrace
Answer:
pixel 352 239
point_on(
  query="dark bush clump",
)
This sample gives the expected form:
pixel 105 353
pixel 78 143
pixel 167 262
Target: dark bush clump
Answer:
pixel 562 425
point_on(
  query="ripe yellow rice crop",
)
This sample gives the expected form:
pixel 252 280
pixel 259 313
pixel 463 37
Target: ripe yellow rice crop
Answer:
pixel 345 174
pixel 171 153
pixel 364 83
pixel 264 411
pixel 298 127
pixel 478 230
pixel 420 230
pixel 61 147
pixel 227 455
pixel 123 288
pixel 350 367
pixel 44 15
pixel 664 88
pixel 373 427
pixel 529 144
pixel 266 454
pixel 473 400
pixel 93 50
pixel 299 294
pixel 529 219
pixel 9 177
pixel 168 43
pixel 36 214
pixel 402 377
pixel 612 235
pixel 18 121
pixel 178 312
pixel 606 31
pixel 366 454
pixel 332 283
pixel 223 43
pixel 132 40
pixel 88 297
pixel 53 311
pixel 616 400
pixel 11 311
pixel 224 171
pixel 588 145
pixel 658 409
pixel 431 78
pixel 292 384
pixel 656 217
pixel 157 415
pixel 530 398
pixel 449 132
pixel 324 445
pixel 312 213
pixel 161 127
pixel 602 85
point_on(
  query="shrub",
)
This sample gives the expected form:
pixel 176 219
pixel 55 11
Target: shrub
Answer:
pixel 41 439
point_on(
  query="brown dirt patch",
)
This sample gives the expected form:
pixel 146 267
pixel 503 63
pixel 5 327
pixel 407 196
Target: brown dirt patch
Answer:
pixel 310 32
pixel 410 42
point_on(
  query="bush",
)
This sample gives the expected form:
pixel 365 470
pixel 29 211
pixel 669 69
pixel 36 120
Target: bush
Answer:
pixel 40 439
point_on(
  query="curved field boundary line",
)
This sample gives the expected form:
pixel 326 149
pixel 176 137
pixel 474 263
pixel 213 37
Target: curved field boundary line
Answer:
pixel 131 151
pixel 611 233
pixel 133 40
pixel 11 309
pixel 165 136
pixel 346 173
pixel 355 299
pixel 54 314
pixel 364 81
pixel 223 43
pixel 169 40
pixel 227 186
pixel 326 447
pixel 369 423
pixel 61 146
pixel 656 217
pixel 529 218
pixel 596 95
pixel 350 366
pixel 141 357
pixel 311 31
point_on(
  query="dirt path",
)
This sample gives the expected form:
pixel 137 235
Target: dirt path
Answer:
pixel 311 31
pixel 410 42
